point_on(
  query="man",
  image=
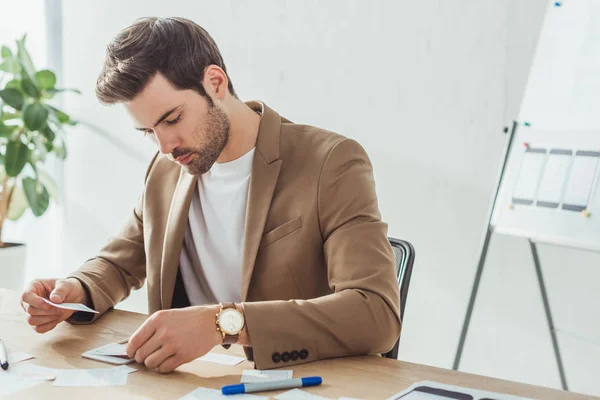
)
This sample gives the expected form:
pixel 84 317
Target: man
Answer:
pixel 278 222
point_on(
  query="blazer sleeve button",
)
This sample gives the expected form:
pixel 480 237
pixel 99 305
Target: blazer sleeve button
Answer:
pixel 285 356
pixel 294 355
pixel 276 357
pixel 303 354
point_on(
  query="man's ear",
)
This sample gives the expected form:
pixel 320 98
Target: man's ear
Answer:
pixel 215 82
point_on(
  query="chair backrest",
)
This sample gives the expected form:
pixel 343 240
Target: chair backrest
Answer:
pixel 404 253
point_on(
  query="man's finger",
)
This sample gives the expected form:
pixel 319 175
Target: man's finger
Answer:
pixel 157 357
pixel 62 289
pixel 45 327
pixel 41 320
pixel 39 312
pixel 170 364
pixel 140 337
pixel 30 297
pixel 151 346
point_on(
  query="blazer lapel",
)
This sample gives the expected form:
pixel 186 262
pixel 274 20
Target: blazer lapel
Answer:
pixel 265 171
pixel 173 243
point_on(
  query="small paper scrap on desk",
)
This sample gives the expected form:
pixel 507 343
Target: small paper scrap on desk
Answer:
pixel 222 359
pixel 214 394
pixel 36 373
pixel 91 377
pixel 297 394
pixel 254 375
pixel 125 369
pixel 18 356
pixel 114 349
pixel 11 383
pixel 22 377
pixel 71 306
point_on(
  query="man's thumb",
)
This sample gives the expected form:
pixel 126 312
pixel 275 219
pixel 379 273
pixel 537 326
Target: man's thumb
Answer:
pixel 60 292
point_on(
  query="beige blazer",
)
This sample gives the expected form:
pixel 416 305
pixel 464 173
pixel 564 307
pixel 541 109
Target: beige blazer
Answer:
pixel 318 274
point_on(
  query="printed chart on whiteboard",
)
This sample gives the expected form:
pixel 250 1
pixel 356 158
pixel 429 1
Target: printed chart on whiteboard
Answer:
pixel 550 191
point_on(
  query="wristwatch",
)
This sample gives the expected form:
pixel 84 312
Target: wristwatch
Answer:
pixel 230 323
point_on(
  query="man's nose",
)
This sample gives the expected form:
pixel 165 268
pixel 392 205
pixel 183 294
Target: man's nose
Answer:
pixel 166 143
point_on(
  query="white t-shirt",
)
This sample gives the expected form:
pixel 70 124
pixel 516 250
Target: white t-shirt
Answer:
pixel 211 258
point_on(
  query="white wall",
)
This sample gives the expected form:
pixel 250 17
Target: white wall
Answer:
pixel 426 87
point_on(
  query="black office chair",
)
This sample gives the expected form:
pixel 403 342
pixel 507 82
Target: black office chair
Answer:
pixel 405 257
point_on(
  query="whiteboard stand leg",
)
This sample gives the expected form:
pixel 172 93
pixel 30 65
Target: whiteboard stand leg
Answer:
pixel 486 243
pixel 465 328
pixel 538 270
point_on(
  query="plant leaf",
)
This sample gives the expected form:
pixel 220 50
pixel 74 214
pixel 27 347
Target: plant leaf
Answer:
pixel 6 131
pixel 61 115
pixel 6 52
pixel 60 151
pixel 13 98
pixel 35 116
pixel 14 84
pixel 37 195
pixel 24 57
pixel 50 184
pixel 48 134
pixel 46 78
pixel 16 157
pixel 18 204
pixel 30 88
pixel 6 66
pixel 55 90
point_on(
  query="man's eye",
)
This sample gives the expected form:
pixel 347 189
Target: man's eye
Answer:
pixel 174 121
pixel 146 133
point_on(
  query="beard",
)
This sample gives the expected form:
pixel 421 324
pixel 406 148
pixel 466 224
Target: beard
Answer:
pixel 214 134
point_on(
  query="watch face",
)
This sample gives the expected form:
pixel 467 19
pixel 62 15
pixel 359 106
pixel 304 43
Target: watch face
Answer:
pixel 231 321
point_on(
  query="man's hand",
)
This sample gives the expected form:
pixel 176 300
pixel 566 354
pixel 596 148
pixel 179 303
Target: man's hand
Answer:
pixel 170 338
pixel 41 315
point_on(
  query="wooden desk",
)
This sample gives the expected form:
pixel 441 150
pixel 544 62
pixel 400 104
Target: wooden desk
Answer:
pixel 365 377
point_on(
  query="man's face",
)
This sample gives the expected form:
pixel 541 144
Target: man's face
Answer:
pixel 182 123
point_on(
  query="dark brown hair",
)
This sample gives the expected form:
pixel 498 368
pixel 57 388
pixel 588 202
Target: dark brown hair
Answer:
pixel 178 48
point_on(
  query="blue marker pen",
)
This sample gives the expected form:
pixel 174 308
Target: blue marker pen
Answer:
pixel 271 385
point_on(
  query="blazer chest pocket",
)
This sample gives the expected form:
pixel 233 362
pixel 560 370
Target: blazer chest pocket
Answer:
pixel 281 231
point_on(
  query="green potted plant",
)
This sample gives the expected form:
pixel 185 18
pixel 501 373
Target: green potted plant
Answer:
pixel 31 129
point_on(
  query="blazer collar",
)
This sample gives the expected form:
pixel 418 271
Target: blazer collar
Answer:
pixel 265 171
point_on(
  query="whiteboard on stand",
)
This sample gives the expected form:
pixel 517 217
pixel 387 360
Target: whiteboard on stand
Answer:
pixel 550 190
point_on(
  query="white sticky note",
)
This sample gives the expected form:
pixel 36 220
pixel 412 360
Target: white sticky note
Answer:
pixel 214 394
pixel 222 359
pixel 18 356
pixel 91 377
pixel 254 375
pixel 297 394
pixel 125 369
pixel 71 306
pixel 114 349
pixel 10 383
pixel 22 377
pixel 31 372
